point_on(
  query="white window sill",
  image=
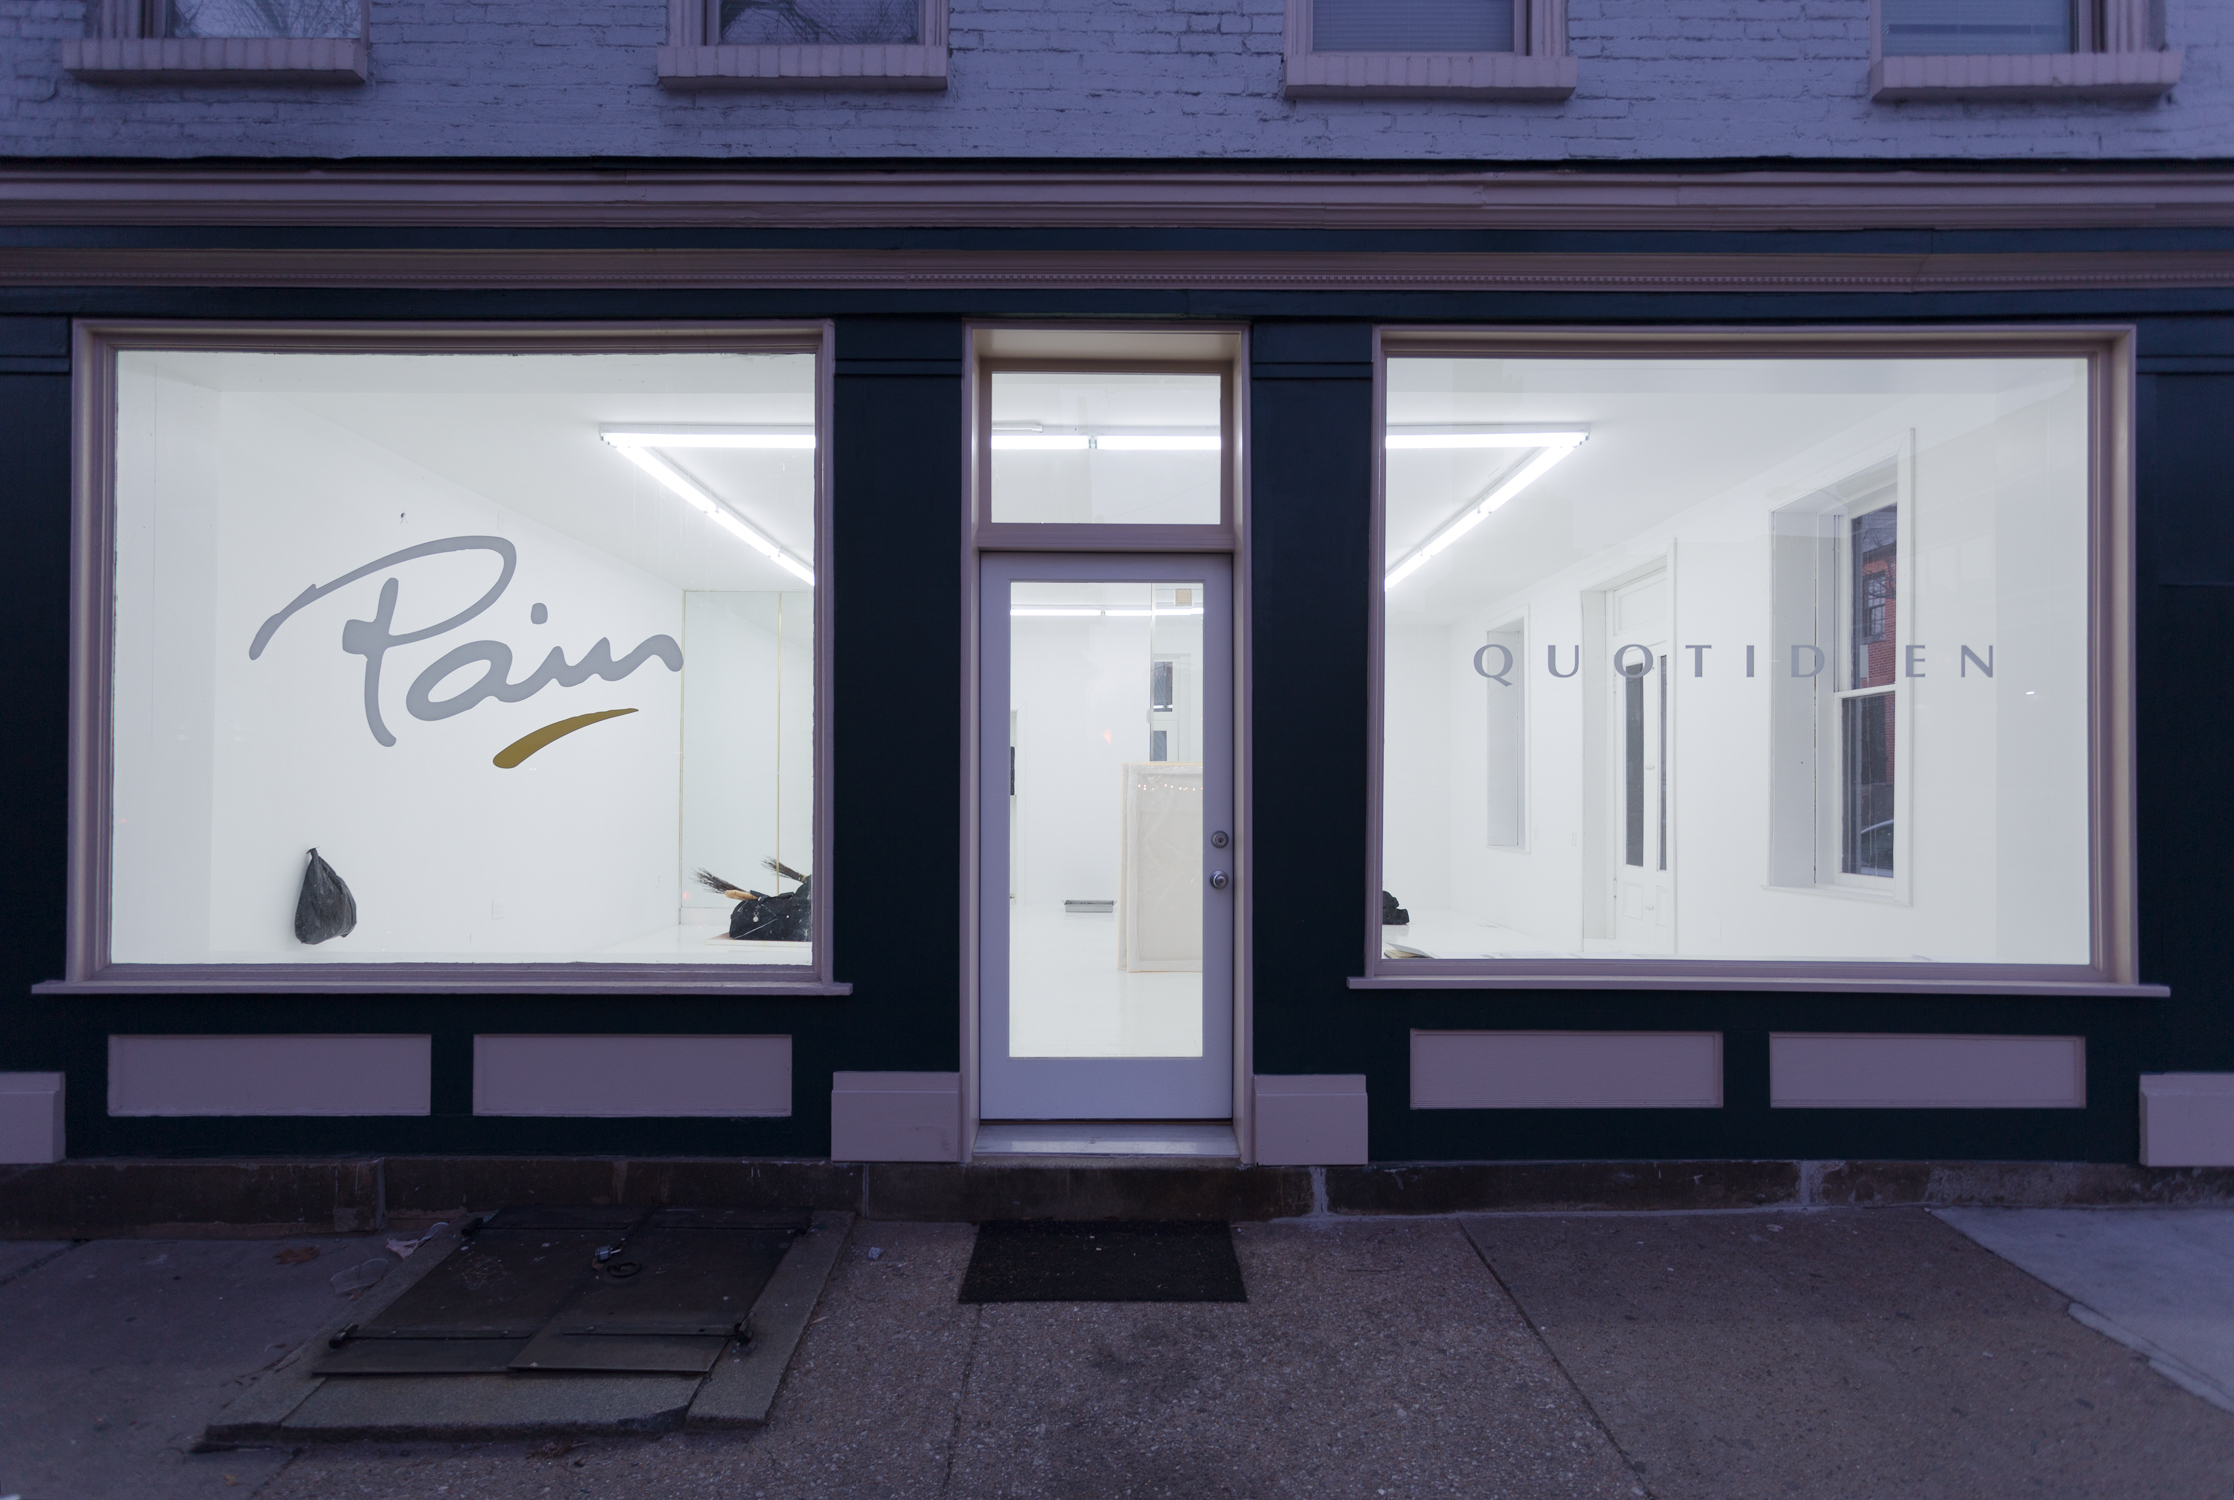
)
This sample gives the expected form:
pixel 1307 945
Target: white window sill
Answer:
pixel 1428 75
pixel 241 59
pixel 2045 75
pixel 849 66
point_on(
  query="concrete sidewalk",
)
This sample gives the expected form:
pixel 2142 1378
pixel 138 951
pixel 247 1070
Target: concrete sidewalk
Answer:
pixel 1826 1354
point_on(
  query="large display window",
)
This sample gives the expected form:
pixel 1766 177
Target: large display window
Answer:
pixel 452 654
pixel 1797 660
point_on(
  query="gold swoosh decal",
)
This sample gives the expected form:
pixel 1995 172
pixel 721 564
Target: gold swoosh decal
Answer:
pixel 527 744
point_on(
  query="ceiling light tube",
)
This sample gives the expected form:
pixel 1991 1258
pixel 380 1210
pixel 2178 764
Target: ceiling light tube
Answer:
pixel 1026 611
pixel 793 439
pixel 1402 439
pixel 1473 516
pixel 698 497
pixel 1106 442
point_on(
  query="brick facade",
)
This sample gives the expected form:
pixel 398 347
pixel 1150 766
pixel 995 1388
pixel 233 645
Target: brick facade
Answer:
pixel 1118 79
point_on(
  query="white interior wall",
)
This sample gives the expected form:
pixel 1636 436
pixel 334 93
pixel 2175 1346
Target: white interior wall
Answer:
pixel 1080 689
pixel 1999 484
pixel 747 774
pixel 166 452
pixel 447 855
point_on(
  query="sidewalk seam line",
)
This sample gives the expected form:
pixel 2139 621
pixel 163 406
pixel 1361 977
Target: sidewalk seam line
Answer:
pixel 962 1396
pixel 45 1260
pixel 1557 1363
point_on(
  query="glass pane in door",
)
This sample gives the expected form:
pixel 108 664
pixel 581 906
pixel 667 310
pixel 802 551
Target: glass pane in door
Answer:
pixel 1105 819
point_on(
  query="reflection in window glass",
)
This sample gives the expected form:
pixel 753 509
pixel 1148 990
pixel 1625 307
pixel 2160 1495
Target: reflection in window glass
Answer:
pixel 746 23
pixel 1131 448
pixel 1804 669
pixel 1412 26
pixel 213 18
pixel 1948 28
pixel 521 645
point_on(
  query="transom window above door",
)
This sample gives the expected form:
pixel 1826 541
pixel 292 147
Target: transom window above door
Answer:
pixel 1794 661
pixel 1098 438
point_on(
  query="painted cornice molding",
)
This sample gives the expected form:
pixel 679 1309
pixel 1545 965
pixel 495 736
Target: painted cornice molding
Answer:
pixel 1362 271
pixel 157 194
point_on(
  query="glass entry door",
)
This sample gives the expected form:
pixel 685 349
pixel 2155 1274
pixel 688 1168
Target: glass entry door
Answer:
pixel 1106 838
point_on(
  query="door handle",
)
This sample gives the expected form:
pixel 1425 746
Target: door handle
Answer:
pixel 1218 881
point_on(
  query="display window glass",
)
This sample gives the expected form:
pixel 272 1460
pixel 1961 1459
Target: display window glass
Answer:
pixel 1141 446
pixel 1748 658
pixel 464 655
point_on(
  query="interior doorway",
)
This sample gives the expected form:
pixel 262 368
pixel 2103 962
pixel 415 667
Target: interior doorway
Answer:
pixel 1106 835
pixel 1641 914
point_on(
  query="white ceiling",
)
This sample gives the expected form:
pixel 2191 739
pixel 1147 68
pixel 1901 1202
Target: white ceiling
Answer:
pixel 522 430
pixel 1665 435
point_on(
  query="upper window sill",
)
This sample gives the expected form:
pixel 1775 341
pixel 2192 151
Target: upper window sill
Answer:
pixel 1428 75
pixel 872 65
pixel 240 59
pixel 2044 75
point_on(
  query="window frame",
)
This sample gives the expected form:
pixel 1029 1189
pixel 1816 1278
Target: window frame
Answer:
pixel 1539 68
pixel 2113 968
pixel 129 47
pixel 96 345
pixel 2124 57
pixel 693 59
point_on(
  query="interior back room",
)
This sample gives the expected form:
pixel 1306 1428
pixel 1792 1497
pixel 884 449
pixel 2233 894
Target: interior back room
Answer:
pixel 1745 658
pixel 543 539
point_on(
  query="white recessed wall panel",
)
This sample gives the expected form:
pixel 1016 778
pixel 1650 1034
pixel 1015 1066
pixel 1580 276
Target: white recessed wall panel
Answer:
pixel 632 1076
pixel 2187 1119
pixel 1927 1072
pixel 896 1117
pixel 1566 1070
pixel 30 1118
pixel 269 1075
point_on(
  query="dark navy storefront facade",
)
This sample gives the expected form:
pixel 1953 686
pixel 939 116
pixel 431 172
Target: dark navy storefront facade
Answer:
pixel 898 689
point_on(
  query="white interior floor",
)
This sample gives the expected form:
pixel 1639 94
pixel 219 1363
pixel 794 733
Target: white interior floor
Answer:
pixel 1068 998
pixel 1442 932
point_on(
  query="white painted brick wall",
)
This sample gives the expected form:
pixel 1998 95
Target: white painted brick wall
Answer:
pixel 1113 78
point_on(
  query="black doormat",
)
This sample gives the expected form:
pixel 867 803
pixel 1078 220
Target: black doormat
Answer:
pixel 1047 1260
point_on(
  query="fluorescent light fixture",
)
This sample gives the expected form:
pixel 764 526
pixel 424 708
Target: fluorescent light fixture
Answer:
pixel 1407 439
pixel 795 439
pixel 1551 448
pixel 699 498
pixel 1037 440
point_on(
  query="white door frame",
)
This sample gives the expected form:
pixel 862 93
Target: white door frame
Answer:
pixel 1200 1088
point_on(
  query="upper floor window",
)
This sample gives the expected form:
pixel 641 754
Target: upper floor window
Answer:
pixel 1511 49
pixel 430 659
pixel 221 41
pixel 2017 49
pixel 329 18
pixel 1797 663
pixel 1952 27
pixel 740 44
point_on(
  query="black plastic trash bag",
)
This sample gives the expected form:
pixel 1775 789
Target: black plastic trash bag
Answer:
pixel 325 909
pixel 759 917
pixel 1393 915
